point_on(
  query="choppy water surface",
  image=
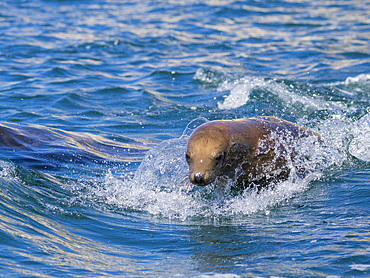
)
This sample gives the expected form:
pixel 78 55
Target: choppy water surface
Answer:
pixel 98 98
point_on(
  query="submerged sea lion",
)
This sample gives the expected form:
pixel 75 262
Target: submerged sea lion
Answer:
pixel 254 150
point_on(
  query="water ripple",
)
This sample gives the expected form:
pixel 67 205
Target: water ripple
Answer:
pixel 88 87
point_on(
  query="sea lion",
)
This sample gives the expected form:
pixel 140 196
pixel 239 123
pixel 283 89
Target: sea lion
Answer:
pixel 254 150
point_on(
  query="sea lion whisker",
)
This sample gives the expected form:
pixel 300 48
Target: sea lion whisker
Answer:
pixel 184 183
pixel 222 180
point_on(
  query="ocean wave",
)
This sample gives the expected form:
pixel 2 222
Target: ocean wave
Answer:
pixel 361 80
pixel 241 88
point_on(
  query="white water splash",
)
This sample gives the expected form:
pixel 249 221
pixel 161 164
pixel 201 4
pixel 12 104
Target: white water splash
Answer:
pixel 239 91
pixel 362 80
pixel 241 88
pixel 357 87
pixel 360 144
pixel 155 188
pixel 6 169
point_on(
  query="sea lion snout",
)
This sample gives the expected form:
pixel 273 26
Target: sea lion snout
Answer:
pixel 201 179
pixel 198 178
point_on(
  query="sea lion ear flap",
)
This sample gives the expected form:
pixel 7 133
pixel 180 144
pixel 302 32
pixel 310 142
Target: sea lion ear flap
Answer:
pixel 233 142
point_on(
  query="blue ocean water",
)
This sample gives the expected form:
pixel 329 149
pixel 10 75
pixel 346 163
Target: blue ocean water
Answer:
pixel 98 98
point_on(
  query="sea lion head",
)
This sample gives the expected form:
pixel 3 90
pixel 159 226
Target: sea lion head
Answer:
pixel 207 151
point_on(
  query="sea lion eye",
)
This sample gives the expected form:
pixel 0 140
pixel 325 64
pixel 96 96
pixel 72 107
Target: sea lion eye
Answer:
pixel 187 157
pixel 219 157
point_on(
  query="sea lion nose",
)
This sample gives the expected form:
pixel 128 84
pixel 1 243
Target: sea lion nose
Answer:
pixel 198 178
